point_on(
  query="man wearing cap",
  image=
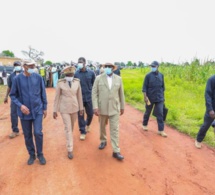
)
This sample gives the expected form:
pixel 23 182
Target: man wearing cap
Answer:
pixel 68 101
pixel 87 78
pixel 108 103
pixel 153 91
pixel 13 107
pixel 28 93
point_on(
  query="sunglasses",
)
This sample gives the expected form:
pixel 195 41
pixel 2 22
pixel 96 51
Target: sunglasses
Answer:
pixel 108 66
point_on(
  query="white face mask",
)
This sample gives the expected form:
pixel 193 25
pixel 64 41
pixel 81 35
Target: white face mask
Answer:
pixel 69 78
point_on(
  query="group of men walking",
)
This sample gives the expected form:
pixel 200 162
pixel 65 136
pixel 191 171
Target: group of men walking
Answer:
pixel 28 97
pixel 80 90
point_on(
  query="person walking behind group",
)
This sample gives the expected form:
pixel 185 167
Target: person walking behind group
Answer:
pixel 29 94
pixel 54 75
pixel 153 91
pixel 4 75
pixel 87 78
pixel 108 103
pixel 13 106
pixel 209 113
pixel 42 72
pixel 68 101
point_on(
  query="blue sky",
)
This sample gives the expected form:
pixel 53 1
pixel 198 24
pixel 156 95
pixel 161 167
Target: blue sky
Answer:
pixel 109 31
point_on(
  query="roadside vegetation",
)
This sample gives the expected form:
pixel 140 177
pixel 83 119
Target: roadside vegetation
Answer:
pixel 184 95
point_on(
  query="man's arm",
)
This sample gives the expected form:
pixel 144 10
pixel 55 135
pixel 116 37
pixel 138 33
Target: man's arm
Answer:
pixel 208 96
pixel 93 77
pixel 9 85
pixel 145 88
pixel 6 96
pixel 14 93
pixel 121 98
pixel 95 96
pixel 43 96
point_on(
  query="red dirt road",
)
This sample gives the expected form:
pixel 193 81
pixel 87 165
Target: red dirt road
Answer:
pixel 153 165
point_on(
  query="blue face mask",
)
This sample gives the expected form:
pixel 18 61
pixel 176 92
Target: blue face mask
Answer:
pixel 31 70
pixel 153 69
pixel 17 68
pixel 80 65
pixel 108 71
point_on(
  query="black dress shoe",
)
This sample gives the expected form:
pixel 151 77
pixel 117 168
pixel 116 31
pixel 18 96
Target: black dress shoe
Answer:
pixel 31 159
pixel 70 155
pixel 118 156
pixel 42 159
pixel 102 145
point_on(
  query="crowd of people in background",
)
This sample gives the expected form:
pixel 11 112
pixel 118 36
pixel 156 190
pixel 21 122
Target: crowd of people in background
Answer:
pixel 51 73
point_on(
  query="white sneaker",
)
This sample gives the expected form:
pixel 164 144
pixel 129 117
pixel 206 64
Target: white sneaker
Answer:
pixel 198 144
pixel 162 133
pixel 82 136
pixel 145 128
pixel 87 129
pixel 13 134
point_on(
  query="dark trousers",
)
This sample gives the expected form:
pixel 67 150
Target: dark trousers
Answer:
pixel 38 135
pixel 204 128
pixel 158 106
pixel 81 121
pixel 14 117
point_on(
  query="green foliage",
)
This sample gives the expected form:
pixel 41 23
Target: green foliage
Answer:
pixel 7 53
pixel 48 63
pixel 129 63
pixel 184 95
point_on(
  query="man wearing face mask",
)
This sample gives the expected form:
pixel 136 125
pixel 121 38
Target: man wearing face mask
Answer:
pixel 108 104
pixel 68 101
pixel 13 107
pixel 153 91
pixel 87 78
pixel 29 94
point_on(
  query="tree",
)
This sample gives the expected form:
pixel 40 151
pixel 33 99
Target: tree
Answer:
pixel 140 64
pixel 7 53
pixel 129 63
pixel 34 55
pixel 48 62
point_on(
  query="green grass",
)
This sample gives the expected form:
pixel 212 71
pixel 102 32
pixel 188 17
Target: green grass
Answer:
pixel 184 95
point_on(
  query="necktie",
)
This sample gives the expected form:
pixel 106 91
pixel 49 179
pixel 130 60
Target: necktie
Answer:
pixel 69 84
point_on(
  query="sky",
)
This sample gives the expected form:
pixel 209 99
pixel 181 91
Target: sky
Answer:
pixel 110 30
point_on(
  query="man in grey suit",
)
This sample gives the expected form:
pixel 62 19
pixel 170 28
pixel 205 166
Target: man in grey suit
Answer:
pixel 108 103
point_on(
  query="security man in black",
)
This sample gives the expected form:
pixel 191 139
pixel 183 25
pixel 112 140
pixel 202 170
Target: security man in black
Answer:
pixel 153 90
pixel 210 111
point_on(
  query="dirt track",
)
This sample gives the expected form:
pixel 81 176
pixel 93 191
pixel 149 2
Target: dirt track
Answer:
pixel 152 164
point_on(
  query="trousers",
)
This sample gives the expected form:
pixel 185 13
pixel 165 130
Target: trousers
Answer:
pixel 204 128
pixel 114 130
pixel 69 121
pixel 33 126
pixel 158 106
pixel 81 121
pixel 14 117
